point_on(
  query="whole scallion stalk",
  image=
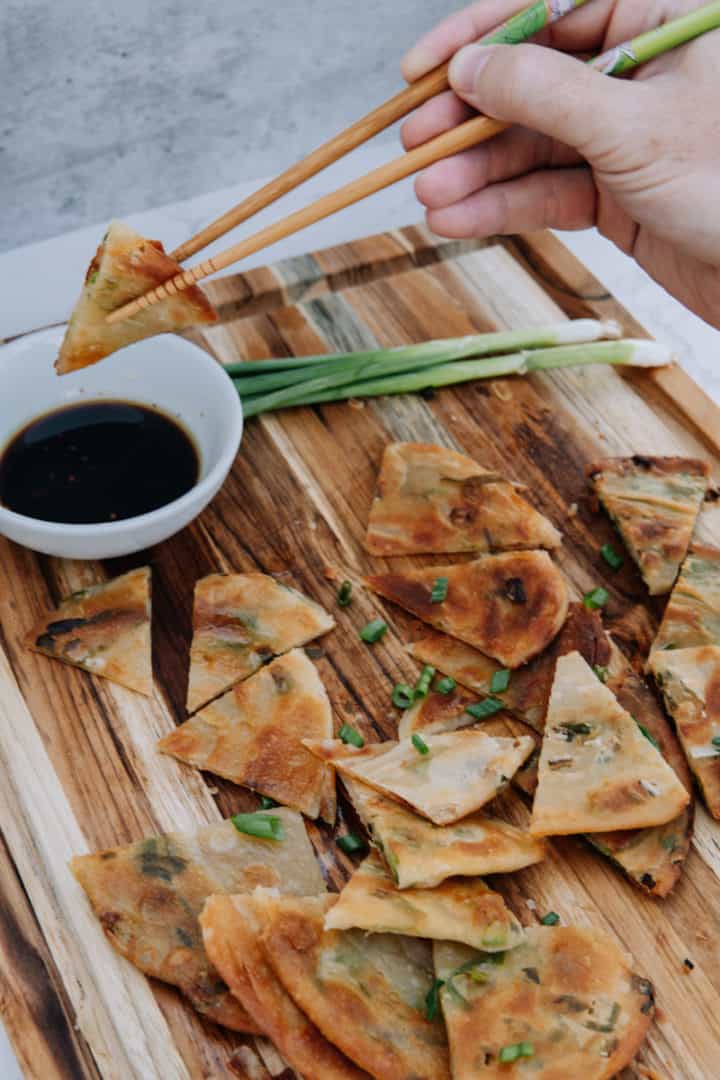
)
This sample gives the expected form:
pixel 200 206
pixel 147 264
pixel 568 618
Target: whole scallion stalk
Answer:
pixel 387 379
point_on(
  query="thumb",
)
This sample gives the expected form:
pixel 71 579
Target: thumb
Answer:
pixel 545 90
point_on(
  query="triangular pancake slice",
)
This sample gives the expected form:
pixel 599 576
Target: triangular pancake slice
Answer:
pixel 104 630
pixel 654 503
pixel 459 909
pixel 692 614
pixel 455 774
pixel 567 996
pixel 231 930
pixel 240 621
pixel 598 772
pixel 252 736
pixel 433 500
pixel 366 993
pixel 419 854
pixel 508 606
pixel 148 897
pixel 125 266
pixel 690 682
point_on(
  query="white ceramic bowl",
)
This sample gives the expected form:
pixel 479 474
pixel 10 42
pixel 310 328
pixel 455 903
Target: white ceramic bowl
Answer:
pixel 166 372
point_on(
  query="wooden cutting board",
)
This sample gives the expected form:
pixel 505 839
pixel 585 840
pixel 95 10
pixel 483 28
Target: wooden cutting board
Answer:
pixel 78 766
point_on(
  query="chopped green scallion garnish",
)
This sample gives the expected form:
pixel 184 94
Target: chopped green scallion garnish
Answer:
pixel 432 999
pixel 508 1054
pixel 344 596
pixel 596 598
pixel 716 742
pixel 422 686
pixel 551 919
pixel 351 844
pixel 601 672
pixel 420 745
pixel 351 736
pixel 262 826
pixel 446 685
pixel 266 803
pixel 403 696
pixel 500 681
pixel 611 556
pixel 650 738
pixel 373 631
pixel 439 590
pixel 481 710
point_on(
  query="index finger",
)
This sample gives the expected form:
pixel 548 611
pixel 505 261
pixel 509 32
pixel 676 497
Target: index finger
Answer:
pixel 580 30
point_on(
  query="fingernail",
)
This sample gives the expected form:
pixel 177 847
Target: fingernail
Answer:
pixel 466 67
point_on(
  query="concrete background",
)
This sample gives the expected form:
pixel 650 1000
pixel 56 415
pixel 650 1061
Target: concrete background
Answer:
pixel 112 108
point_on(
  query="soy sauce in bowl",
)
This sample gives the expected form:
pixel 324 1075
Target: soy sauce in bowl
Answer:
pixel 98 462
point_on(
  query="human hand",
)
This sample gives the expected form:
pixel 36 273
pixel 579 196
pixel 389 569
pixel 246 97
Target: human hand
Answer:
pixel 639 158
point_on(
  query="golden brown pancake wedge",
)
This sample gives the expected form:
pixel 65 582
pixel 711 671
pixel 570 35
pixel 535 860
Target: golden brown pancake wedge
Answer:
pixel 566 1000
pixel 528 689
pixel 459 909
pixel 104 630
pixel 252 736
pixel 598 772
pixel 240 621
pixel 692 614
pixel 438 712
pixel 690 682
pixel 508 606
pixel 366 993
pixel 448 777
pixel 431 499
pixel 148 897
pixel 654 502
pixel 231 928
pixel 125 266
pixel 419 854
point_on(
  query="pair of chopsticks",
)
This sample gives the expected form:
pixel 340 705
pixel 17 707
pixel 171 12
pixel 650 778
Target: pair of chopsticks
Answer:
pixel 521 27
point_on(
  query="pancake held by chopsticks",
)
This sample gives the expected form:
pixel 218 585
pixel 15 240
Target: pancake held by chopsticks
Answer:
pixel 459 909
pixel 366 993
pixel 509 606
pixel 231 928
pixel 148 897
pixel 564 1005
pixel 453 774
pixel 240 621
pixel 690 682
pixel 104 630
pixel 598 771
pixel 252 736
pixel 654 502
pixel 692 615
pixel 125 266
pixel 431 499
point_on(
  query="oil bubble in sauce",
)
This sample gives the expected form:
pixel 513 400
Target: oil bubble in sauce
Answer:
pixel 98 462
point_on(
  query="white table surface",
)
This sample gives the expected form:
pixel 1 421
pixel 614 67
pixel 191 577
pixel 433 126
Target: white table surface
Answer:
pixel 40 282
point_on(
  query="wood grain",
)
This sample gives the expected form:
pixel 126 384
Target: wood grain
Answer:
pixel 78 768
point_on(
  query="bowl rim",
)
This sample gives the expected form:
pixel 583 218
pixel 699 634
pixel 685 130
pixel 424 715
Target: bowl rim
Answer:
pixel 204 488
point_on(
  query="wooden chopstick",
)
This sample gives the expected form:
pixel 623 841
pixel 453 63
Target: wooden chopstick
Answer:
pixel 451 142
pixel 616 61
pixel 520 27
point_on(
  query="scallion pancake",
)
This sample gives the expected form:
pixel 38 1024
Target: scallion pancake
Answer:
pixel 692 614
pixel 564 1005
pixel 365 992
pixel 431 499
pixel 231 928
pixel 252 736
pixel 654 502
pixel 444 776
pixel 598 772
pixel 148 897
pixel 240 621
pixel 104 630
pixel 125 266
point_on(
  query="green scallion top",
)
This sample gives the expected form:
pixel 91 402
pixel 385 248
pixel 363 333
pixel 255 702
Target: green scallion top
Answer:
pixel 351 736
pixel 262 826
pixel 373 631
pixel 611 556
pixel 500 681
pixel 596 598
pixel 446 685
pixel 344 596
pixel 481 710
pixel 420 745
pixel 439 590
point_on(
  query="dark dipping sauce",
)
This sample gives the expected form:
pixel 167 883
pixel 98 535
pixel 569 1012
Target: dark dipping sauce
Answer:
pixel 97 462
